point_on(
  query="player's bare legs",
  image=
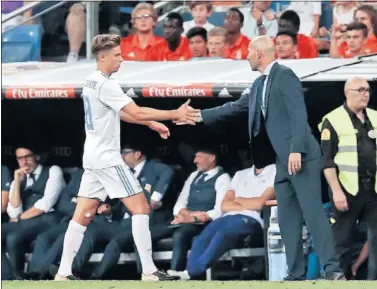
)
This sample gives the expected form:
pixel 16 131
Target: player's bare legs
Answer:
pixel 84 213
pixel 140 209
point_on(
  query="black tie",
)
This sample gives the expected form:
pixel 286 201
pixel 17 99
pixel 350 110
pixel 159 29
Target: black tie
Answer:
pixel 132 171
pixel 201 179
pixel 258 108
pixel 32 176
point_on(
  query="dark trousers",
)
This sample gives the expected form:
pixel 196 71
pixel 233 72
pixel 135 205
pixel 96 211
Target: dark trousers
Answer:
pixel 17 236
pixel 47 250
pixel 299 199
pixel 362 206
pixel 6 269
pixel 217 238
pixel 97 236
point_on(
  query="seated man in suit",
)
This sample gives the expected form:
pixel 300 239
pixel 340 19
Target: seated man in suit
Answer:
pixel 248 191
pixel 32 197
pixel 199 203
pixel 155 178
pixel 47 250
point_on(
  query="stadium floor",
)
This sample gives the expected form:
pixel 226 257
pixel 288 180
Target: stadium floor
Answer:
pixel 187 285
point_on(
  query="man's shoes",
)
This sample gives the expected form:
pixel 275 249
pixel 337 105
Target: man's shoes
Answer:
pixel 159 276
pixel 338 276
pixel 54 272
pixel 184 275
pixel 289 278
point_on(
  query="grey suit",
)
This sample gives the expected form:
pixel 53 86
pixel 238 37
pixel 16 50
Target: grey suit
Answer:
pixel 298 196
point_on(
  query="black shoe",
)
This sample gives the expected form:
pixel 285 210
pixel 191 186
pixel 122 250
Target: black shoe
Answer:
pixel 159 276
pixel 32 276
pixel 292 278
pixel 339 276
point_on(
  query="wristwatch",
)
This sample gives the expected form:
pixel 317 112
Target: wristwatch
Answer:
pixel 196 219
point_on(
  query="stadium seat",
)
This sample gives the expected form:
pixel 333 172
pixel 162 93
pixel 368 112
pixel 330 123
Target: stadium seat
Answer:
pixel 22 44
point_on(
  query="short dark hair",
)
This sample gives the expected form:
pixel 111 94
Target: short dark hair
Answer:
pixel 289 33
pixel 208 4
pixel 359 27
pixel 291 16
pixel 197 31
pixel 176 16
pixel 103 42
pixel 234 9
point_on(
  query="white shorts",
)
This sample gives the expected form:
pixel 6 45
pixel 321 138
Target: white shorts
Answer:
pixel 116 182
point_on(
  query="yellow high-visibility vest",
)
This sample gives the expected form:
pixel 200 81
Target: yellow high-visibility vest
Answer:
pixel 346 158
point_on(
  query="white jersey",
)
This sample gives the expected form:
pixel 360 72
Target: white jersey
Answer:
pixel 103 99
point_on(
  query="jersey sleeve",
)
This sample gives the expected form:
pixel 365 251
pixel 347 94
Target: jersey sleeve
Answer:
pixel 113 96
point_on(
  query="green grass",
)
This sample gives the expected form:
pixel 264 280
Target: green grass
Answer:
pixel 188 285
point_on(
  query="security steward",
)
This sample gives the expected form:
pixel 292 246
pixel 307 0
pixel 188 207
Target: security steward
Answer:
pixel 348 139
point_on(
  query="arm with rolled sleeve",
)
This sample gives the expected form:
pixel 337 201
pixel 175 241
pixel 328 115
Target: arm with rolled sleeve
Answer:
pixel 165 176
pixel 221 186
pixel 13 213
pixel 5 186
pixel 183 196
pixel 55 184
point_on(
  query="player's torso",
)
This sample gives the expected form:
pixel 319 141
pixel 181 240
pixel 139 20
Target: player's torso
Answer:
pixel 102 126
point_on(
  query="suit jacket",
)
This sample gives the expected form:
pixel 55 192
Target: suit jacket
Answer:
pixel 286 119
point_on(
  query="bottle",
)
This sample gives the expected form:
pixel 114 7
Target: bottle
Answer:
pixel 276 251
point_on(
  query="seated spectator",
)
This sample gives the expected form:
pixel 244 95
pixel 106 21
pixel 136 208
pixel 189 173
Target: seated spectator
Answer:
pixel 10 6
pixel 49 244
pixel 5 186
pixel 310 13
pixel 355 45
pixel 367 15
pixel 246 196
pixel 236 43
pixel 175 47
pixel 199 203
pixel 286 45
pixel 216 42
pixel 260 20
pixel 155 178
pixel 306 46
pixel 197 37
pixel 75 26
pixel 200 11
pixel 344 11
pixel 143 45
pixel 32 196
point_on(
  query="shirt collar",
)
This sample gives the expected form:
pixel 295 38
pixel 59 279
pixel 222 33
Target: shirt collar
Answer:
pixel 211 173
pixel 351 113
pixel 139 167
pixel 37 171
pixel 135 41
pixel 252 173
pixel 267 71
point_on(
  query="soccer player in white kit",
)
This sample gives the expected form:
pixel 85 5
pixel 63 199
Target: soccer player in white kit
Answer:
pixel 105 173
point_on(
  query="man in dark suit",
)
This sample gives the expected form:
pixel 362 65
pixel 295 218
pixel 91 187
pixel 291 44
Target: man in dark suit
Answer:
pixel 277 114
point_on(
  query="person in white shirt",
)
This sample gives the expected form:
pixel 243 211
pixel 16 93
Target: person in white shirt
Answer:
pixel 246 196
pixel 310 13
pixel 32 196
pixel 200 11
pixel 198 203
pixel 105 173
pixel 259 20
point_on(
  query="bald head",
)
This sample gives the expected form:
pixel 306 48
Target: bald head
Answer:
pixel 261 53
pixel 357 92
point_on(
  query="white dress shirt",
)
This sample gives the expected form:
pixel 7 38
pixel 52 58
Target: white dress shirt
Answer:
pixel 221 187
pixel 187 25
pixel 55 184
pixel 250 27
pixel 306 9
pixel 266 73
pixel 246 184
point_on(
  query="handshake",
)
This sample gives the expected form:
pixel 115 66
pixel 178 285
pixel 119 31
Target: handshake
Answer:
pixel 187 115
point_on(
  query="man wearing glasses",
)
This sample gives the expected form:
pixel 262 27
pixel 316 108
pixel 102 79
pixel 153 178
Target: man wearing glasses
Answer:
pixel 348 139
pixel 32 196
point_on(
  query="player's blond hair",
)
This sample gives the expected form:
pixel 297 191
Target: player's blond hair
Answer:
pixel 143 6
pixel 217 31
pixel 103 42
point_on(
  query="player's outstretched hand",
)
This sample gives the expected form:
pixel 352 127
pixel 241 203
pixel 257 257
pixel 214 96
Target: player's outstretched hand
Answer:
pixel 187 115
pixel 159 127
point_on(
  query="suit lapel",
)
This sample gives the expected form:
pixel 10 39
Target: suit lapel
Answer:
pixel 252 105
pixel 268 87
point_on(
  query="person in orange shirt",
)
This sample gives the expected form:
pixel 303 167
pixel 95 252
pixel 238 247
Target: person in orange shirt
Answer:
pixel 286 45
pixel 306 46
pixel 236 43
pixel 216 42
pixel 367 15
pixel 356 38
pixel 175 47
pixel 143 45
pixel 197 37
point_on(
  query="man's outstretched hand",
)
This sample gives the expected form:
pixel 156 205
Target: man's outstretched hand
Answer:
pixel 159 127
pixel 187 115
